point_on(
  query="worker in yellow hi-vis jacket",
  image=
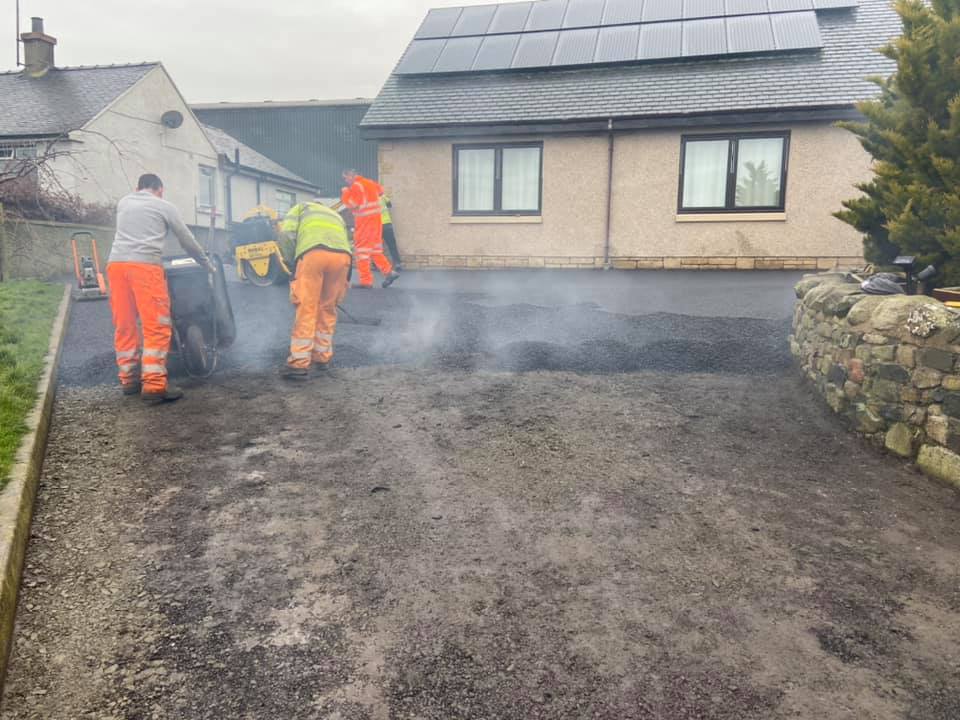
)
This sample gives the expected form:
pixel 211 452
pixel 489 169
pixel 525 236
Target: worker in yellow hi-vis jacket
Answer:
pixel 315 238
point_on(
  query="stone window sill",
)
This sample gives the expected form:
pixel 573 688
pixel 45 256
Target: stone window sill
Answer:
pixel 496 220
pixel 732 217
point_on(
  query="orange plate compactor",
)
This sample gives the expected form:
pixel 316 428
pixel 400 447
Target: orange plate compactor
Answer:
pixel 90 282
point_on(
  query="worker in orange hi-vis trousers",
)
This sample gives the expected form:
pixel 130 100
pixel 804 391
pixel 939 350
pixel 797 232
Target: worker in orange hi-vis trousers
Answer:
pixel 314 241
pixel 362 196
pixel 138 289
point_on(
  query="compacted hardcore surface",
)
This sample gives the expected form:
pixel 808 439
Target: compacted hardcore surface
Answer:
pixel 490 509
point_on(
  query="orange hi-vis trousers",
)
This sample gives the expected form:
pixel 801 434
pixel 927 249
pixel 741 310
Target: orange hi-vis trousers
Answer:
pixel 139 291
pixel 368 239
pixel 321 283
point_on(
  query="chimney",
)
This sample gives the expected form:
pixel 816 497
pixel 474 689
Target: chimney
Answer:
pixel 37 49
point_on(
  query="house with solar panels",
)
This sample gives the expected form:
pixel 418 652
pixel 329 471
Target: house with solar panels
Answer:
pixel 630 133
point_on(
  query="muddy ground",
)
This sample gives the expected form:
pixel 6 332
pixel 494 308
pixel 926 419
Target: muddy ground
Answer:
pixel 493 510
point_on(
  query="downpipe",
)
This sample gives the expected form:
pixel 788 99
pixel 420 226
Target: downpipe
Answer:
pixel 607 225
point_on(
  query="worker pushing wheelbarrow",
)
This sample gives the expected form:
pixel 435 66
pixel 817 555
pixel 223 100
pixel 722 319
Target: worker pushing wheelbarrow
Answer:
pixel 199 316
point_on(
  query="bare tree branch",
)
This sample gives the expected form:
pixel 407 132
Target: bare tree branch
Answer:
pixel 32 187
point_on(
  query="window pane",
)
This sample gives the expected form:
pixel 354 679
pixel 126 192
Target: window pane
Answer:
pixel 475 180
pixel 705 174
pixel 206 192
pixel 285 201
pixel 521 179
pixel 759 166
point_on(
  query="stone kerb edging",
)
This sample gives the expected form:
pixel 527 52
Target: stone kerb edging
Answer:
pixel 16 499
pixel 889 364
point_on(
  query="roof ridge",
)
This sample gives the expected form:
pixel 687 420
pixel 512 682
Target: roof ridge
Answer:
pixel 147 63
pixel 312 102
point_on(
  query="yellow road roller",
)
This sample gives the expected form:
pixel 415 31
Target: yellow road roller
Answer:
pixel 258 257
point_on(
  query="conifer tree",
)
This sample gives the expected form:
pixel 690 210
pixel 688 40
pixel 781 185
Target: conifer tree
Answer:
pixel 912 130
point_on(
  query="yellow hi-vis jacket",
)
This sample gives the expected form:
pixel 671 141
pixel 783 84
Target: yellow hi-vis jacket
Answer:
pixel 310 225
pixel 385 210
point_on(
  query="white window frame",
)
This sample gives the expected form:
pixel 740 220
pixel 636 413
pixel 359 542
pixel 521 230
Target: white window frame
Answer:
pixel 497 210
pixel 207 174
pixel 288 193
pixel 6 152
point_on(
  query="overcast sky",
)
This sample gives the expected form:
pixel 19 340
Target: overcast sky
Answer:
pixel 234 49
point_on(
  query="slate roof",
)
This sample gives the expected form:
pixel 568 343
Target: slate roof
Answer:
pixel 64 99
pixel 226 144
pixel 831 77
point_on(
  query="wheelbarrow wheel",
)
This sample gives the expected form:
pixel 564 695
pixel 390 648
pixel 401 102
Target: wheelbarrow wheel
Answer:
pixel 195 353
pixel 273 276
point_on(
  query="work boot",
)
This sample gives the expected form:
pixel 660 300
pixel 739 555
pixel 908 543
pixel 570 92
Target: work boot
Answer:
pixel 171 394
pixel 132 388
pixel 390 279
pixel 320 368
pixel 294 373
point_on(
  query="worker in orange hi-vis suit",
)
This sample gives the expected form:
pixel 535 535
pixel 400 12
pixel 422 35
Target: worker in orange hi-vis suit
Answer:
pixel 138 289
pixel 362 196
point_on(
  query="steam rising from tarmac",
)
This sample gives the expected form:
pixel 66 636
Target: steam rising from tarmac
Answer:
pixel 588 322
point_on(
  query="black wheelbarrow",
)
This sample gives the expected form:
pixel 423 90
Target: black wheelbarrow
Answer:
pixel 203 322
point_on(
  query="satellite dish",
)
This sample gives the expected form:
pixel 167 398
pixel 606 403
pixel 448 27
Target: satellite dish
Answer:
pixel 172 119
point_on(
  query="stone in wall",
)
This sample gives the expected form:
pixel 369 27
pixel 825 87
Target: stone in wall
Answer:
pixel 887 364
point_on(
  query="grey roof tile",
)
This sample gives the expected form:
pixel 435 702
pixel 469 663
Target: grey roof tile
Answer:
pixel 64 99
pixel 833 76
pixel 226 144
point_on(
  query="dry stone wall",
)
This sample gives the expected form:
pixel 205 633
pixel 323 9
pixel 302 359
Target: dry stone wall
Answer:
pixel 889 364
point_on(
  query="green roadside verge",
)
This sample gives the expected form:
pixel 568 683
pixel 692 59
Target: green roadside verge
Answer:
pixel 27 312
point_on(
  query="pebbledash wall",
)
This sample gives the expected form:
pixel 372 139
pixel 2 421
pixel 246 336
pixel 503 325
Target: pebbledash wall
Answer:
pixel 825 163
pixel 889 364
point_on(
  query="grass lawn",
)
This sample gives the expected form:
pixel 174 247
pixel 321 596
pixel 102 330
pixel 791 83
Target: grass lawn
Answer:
pixel 27 312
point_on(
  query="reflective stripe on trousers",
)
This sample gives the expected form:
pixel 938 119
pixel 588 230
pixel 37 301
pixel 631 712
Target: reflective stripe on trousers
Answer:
pixel 364 273
pixel 301 348
pixel 323 344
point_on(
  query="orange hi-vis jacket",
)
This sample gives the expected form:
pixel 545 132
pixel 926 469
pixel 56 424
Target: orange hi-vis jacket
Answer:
pixel 363 198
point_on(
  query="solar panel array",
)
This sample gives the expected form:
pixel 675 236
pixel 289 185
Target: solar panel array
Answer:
pixel 570 33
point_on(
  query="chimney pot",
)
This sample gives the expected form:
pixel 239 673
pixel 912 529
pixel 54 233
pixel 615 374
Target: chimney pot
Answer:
pixel 36 24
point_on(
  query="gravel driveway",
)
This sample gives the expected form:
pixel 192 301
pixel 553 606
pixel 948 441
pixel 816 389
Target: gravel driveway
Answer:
pixel 521 497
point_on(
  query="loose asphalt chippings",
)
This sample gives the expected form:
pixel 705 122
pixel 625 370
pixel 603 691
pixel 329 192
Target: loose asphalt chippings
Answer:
pixel 498 511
